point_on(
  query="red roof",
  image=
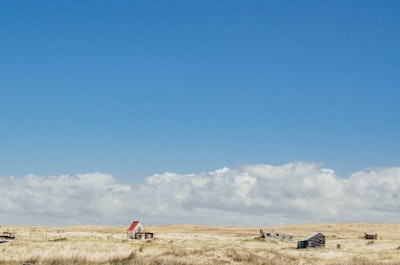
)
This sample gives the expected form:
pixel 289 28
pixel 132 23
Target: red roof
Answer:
pixel 133 225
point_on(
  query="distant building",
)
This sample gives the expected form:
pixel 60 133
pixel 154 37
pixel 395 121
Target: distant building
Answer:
pixel 371 236
pixel 7 236
pixel 316 239
pixel 275 235
pixel 136 231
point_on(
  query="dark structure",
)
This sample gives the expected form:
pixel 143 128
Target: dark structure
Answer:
pixel 7 236
pixel 275 236
pixel 316 239
pixel 371 236
pixel 302 244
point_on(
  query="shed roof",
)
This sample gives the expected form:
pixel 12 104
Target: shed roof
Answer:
pixel 133 225
pixel 312 235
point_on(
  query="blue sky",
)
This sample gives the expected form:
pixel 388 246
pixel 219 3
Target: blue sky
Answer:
pixel 135 88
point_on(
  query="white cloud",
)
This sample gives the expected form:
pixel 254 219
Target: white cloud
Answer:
pixel 297 192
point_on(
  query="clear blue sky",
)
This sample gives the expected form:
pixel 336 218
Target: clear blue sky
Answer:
pixel 133 88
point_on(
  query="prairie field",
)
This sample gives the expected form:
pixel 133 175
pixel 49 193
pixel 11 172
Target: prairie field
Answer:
pixel 195 244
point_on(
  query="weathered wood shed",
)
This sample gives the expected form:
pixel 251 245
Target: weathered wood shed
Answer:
pixel 371 236
pixel 316 239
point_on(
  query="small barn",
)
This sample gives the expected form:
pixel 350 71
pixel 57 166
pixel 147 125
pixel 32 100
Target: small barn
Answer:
pixel 136 231
pixel 316 239
pixel 371 236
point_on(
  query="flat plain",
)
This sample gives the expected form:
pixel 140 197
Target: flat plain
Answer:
pixel 195 244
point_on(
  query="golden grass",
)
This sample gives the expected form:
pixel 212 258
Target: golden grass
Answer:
pixel 194 244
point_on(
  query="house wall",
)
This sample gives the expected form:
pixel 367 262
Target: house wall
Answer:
pixel 138 229
pixel 302 244
pixel 317 241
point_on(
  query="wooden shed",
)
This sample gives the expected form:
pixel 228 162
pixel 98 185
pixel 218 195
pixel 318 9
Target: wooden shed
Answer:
pixel 371 236
pixel 316 239
pixel 136 231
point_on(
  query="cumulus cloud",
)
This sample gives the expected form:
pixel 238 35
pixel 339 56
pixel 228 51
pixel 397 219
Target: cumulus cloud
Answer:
pixel 261 194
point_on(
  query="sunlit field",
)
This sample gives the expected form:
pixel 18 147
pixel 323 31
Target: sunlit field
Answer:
pixel 193 244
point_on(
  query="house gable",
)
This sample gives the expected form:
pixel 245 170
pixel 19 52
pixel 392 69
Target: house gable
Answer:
pixel 135 227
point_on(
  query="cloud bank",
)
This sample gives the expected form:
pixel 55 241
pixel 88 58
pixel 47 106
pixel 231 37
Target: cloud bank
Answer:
pixel 261 194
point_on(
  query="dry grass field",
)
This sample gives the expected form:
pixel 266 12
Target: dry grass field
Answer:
pixel 193 244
